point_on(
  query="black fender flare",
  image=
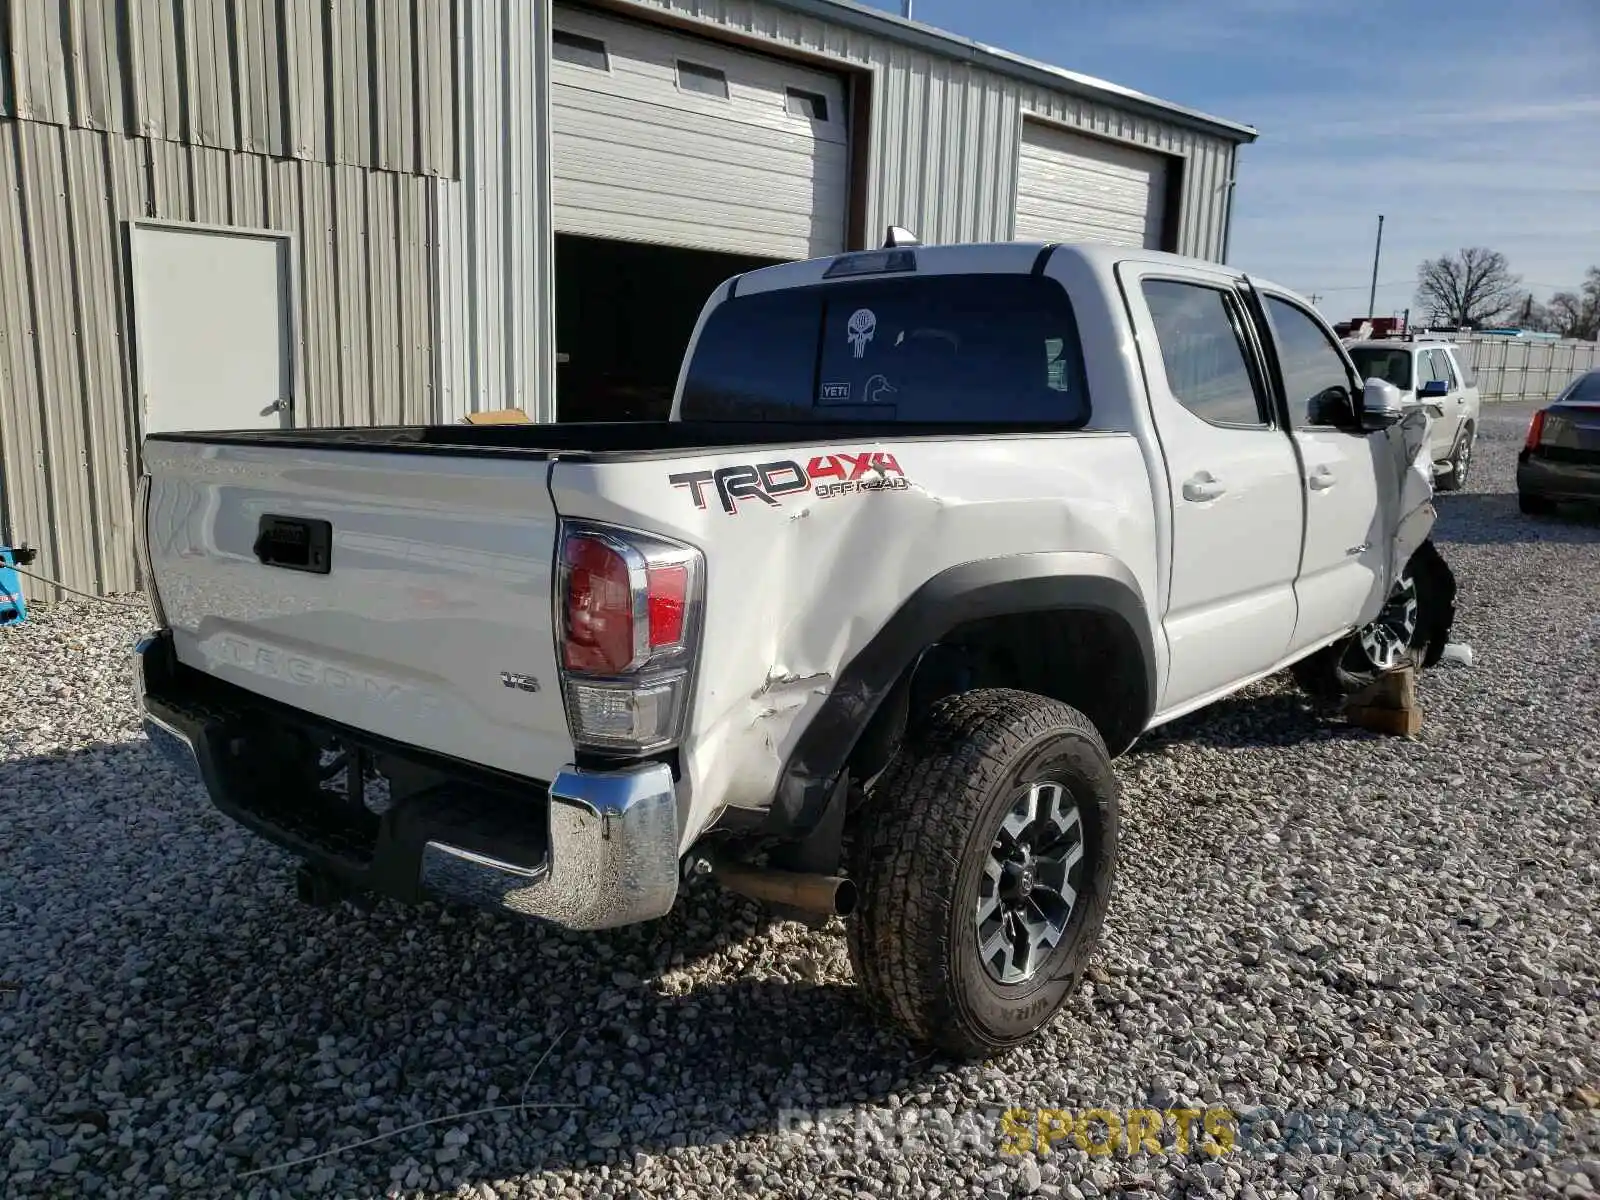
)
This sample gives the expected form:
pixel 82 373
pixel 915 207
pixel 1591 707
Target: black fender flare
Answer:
pixel 971 591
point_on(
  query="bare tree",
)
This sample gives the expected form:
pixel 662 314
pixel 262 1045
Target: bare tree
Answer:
pixel 1528 313
pixel 1473 288
pixel 1566 314
pixel 1577 314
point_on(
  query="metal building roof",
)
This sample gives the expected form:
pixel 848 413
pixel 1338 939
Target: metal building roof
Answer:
pixel 852 15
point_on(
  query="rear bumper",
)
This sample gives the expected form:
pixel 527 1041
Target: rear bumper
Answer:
pixel 590 850
pixel 1557 480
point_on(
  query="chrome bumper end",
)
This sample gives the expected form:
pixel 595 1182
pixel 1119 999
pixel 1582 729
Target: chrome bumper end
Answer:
pixel 170 742
pixel 613 855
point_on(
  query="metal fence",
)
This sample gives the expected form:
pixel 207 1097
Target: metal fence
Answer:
pixel 1511 368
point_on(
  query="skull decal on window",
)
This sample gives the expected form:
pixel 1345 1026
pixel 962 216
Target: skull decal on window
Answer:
pixel 863 323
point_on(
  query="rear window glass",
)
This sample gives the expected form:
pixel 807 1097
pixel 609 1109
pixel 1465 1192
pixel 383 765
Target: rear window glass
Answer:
pixel 1380 362
pixel 755 360
pixel 939 348
pixel 1584 390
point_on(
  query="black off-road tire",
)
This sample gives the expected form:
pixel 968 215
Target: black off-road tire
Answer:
pixel 1339 670
pixel 924 840
pixel 1455 478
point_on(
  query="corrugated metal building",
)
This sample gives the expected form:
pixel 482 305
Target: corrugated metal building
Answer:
pixel 236 212
pixel 126 127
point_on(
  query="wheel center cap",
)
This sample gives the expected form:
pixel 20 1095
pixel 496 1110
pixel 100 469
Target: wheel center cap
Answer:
pixel 1020 877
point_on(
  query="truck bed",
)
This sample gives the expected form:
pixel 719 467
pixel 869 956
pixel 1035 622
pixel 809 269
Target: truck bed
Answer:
pixel 600 440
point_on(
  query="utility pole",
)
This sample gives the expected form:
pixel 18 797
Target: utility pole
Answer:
pixel 1372 296
pixel 1314 299
pixel 905 9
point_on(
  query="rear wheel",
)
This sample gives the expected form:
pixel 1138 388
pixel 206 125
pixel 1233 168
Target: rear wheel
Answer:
pixel 1534 505
pixel 1409 631
pixel 1454 479
pixel 985 863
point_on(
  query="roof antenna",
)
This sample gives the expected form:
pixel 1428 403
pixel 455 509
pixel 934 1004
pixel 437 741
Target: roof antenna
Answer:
pixel 898 235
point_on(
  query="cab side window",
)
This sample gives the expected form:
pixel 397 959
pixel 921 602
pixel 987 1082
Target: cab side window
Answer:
pixel 1316 381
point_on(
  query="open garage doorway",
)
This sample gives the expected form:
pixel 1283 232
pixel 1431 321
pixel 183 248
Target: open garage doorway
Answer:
pixel 624 314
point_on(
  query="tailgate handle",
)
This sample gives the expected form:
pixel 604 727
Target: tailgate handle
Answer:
pixel 295 543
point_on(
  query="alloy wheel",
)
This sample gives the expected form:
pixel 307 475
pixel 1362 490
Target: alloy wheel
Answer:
pixel 1029 886
pixel 1387 641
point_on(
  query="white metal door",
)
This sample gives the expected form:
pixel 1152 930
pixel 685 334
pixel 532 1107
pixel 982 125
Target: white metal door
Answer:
pixel 1235 484
pixel 212 323
pixel 668 139
pixel 1071 187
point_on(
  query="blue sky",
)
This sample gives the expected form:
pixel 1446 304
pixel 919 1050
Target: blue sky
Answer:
pixel 1464 123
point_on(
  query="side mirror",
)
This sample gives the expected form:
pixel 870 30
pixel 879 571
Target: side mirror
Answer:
pixel 1381 404
pixel 1332 406
pixel 1434 387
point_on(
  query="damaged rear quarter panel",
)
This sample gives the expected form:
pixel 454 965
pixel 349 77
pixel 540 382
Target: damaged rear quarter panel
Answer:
pixel 799 582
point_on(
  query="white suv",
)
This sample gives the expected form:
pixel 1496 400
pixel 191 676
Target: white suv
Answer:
pixel 1437 373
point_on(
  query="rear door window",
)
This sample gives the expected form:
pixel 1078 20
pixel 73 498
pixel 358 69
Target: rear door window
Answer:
pixel 938 348
pixel 1438 370
pixel 1203 353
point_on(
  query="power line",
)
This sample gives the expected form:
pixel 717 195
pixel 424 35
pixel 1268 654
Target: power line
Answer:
pixel 1356 287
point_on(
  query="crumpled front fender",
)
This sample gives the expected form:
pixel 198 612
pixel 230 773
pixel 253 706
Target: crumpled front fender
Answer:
pixel 1414 462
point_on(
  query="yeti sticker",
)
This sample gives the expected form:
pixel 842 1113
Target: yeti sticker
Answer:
pixel 863 323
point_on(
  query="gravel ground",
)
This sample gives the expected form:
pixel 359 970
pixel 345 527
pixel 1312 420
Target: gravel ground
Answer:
pixel 1312 924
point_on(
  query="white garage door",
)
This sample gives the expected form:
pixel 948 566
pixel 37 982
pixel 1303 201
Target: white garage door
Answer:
pixel 663 138
pixel 1076 188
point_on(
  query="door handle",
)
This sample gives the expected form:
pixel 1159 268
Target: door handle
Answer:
pixel 1321 479
pixel 1202 487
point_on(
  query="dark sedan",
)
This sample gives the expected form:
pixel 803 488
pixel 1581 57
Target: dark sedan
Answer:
pixel 1561 458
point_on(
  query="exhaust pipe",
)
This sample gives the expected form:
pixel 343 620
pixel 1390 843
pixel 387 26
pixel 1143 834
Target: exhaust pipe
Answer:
pixel 832 895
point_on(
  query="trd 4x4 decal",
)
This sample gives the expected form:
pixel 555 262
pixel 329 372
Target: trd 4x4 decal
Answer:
pixel 825 476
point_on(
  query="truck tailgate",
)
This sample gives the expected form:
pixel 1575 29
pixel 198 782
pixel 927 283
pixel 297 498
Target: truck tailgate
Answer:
pixel 432 624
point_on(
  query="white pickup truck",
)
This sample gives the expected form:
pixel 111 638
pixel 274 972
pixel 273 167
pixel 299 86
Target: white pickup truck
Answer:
pixel 933 534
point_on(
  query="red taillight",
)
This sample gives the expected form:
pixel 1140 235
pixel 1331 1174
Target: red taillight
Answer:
pixel 1535 430
pixel 626 605
pixel 668 594
pixel 599 608
pixel 628 609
